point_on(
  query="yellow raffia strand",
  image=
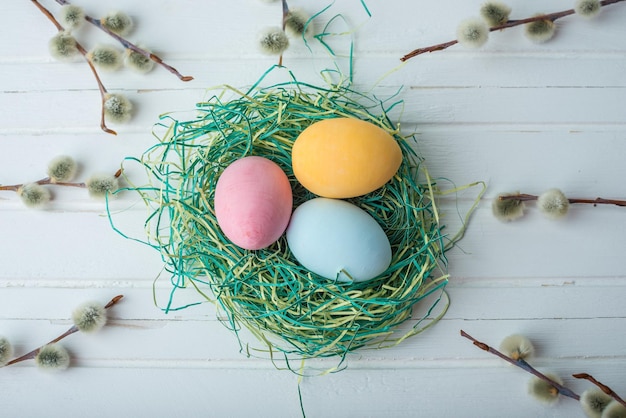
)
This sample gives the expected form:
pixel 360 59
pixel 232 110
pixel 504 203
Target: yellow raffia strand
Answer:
pixel 286 307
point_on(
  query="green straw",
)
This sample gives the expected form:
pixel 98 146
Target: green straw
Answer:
pixel 288 308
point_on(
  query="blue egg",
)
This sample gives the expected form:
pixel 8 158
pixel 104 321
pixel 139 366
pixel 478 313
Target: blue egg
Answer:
pixel 338 240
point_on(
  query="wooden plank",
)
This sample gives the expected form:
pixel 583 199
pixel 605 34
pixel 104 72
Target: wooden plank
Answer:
pixel 182 30
pixel 81 109
pixel 471 299
pixel 271 393
pixel 516 115
pixel 490 248
pixel 433 72
pixel 507 157
pixel 191 343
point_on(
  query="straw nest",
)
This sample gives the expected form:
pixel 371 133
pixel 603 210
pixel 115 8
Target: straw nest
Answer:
pixel 287 307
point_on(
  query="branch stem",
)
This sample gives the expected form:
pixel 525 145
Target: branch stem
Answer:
pixel 511 23
pixel 284 21
pixel 596 201
pixel 43 181
pixel 48 180
pixel 602 386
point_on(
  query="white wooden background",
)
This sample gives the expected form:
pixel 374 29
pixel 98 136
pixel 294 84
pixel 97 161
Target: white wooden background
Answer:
pixel 516 115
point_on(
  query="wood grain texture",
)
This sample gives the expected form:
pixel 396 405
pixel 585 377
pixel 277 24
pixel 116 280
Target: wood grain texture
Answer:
pixel 513 114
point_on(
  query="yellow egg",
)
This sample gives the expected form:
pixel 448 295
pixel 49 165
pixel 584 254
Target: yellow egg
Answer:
pixel 344 157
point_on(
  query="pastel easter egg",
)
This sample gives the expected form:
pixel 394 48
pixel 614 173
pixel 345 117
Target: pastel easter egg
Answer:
pixel 253 202
pixel 332 237
pixel 344 157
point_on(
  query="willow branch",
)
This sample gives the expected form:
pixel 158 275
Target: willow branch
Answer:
pixel 48 180
pixel 83 52
pixel 32 354
pixel 129 45
pixel 597 201
pixel 511 23
pixel 522 364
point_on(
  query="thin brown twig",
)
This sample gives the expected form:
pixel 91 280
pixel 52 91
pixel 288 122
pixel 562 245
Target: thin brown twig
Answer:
pixel 522 364
pixel 103 90
pixel 129 45
pixel 285 12
pixel 597 201
pixel 602 386
pixel 43 181
pixel 511 23
pixel 32 354
pixel 83 52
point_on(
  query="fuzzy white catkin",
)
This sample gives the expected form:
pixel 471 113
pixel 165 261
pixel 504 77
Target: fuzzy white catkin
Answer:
pixel 63 47
pixel 62 168
pixel 52 357
pixel 553 203
pixel 89 317
pixel 472 33
pixel 593 402
pixel 495 13
pixel 588 8
pixel 138 62
pixel 34 195
pixel 118 22
pixel 117 108
pixel 544 391
pixel 517 347
pixel 273 41
pixel 6 351
pixel 100 185
pixel 614 410
pixel 71 16
pixel 507 209
pixel 540 31
pixel 105 57
pixel 296 23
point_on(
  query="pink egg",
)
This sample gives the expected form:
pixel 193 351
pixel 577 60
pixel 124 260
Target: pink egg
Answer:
pixel 253 202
